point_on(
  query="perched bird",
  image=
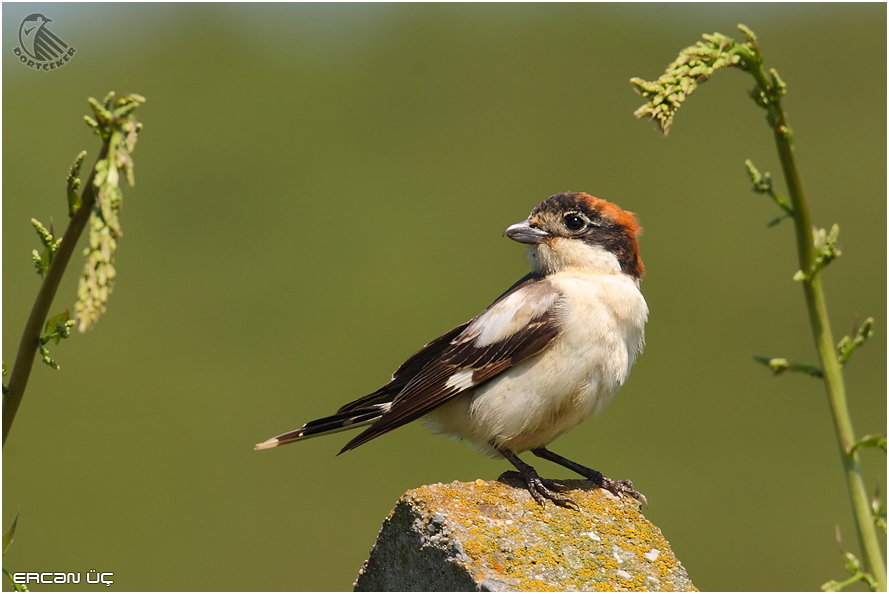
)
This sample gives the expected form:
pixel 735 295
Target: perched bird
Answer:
pixel 550 351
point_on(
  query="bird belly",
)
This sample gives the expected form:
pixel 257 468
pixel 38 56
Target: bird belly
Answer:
pixel 533 403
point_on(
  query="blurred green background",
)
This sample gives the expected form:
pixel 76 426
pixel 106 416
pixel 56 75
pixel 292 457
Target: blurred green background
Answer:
pixel 321 189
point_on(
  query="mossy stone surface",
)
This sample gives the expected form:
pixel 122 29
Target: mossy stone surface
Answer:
pixel 491 536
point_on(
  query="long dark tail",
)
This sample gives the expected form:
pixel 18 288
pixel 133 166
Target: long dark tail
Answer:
pixel 341 421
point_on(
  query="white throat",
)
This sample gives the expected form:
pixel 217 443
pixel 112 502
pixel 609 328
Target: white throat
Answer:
pixel 562 255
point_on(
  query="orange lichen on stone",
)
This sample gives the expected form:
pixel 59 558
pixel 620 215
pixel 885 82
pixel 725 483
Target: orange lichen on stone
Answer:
pixel 496 536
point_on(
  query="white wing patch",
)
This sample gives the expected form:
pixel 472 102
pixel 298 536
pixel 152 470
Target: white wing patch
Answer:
pixel 461 380
pixel 510 315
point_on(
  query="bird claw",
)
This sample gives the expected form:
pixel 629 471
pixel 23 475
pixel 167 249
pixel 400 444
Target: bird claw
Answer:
pixel 621 488
pixel 542 489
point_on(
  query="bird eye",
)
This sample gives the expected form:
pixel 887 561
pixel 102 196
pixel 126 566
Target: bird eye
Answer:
pixel 574 222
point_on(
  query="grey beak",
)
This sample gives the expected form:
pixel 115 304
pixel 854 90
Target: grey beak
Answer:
pixel 524 233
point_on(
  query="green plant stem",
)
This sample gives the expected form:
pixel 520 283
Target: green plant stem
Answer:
pixel 824 341
pixel 24 360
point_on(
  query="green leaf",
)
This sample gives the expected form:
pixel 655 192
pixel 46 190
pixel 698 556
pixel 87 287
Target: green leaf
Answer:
pixel 779 365
pixel 871 441
pixel 56 328
pixel 18 587
pixel 774 221
pixel 53 322
pixel 9 534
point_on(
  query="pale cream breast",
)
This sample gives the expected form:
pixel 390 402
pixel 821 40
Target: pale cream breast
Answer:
pixel 601 319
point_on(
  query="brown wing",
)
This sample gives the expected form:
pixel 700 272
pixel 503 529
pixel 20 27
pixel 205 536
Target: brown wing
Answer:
pixel 408 370
pixel 430 352
pixel 524 323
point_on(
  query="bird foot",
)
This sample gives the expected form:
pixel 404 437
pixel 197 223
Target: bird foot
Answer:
pixel 619 488
pixel 540 488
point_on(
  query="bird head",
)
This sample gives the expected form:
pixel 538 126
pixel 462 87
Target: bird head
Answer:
pixel 576 231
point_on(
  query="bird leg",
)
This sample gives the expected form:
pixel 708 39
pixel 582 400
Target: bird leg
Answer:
pixel 541 489
pixel 619 488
